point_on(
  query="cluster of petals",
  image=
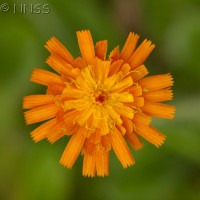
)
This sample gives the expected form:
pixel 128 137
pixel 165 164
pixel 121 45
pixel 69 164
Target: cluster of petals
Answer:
pixel 101 102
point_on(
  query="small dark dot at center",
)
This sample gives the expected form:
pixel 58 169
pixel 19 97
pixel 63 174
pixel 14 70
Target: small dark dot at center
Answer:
pixel 101 98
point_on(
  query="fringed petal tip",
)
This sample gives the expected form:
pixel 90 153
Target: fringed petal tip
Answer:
pixel 96 163
pixel 54 46
pixel 86 46
pixel 101 49
pixel 129 46
pixel 141 53
pixel 150 134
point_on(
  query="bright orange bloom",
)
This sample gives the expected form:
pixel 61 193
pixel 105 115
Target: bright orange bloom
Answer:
pixel 101 103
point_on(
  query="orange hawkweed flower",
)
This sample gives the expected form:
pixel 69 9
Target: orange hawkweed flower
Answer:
pixel 101 103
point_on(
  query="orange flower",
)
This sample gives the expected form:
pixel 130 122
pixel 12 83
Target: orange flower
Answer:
pixel 101 103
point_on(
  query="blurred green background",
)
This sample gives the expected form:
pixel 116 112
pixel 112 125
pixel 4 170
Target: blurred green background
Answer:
pixel 31 171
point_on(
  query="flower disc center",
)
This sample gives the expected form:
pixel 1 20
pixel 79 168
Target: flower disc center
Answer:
pixel 100 97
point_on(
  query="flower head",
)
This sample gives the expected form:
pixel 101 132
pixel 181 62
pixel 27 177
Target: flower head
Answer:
pixel 100 103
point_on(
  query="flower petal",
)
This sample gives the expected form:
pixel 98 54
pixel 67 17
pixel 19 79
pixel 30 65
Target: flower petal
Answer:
pixel 102 162
pixel 139 73
pixel 113 114
pixel 122 85
pixel 158 95
pixel 33 101
pixel 159 110
pixel 114 55
pixel 156 82
pixel 86 46
pixel 136 90
pixel 59 130
pixel 89 167
pixel 73 149
pixel 44 77
pixel 129 46
pixel 101 49
pixel 131 135
pixel 143 118
pixel 121 149
pixel 79 62
pixel 55 47
pixel 115 67
pixel 101 69
pixel 41 113
pixel 84 116
pixel 41 131
pixel 141 54
pixel 60 65
pixel 133 140
pixel 150 134
pixel 105 142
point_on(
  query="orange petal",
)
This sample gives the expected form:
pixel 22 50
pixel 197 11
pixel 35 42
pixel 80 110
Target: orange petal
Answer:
pixel 115 67
pixel 136 90
pixel 55 133
pixel 158 95
pixel 159 110
pixel 86 46
pixel 89 167
pixel 33 101
pixel 70 92
pixel 45 77
pixel 102 162
pixel 121 129
pixel 139 73
pixel 55 47
pixel 113 114
pixel 124 97
pixel 124 110
pixel 121 149
pixel 150 134
pixel 54 89
pixel 58 131
pixel 138 102
pixel 114 55
pixel 101 69
pixel 41 113
pixel 104 124
pixel 73 149
pixel 125 69
pixel 88 147
pixel 84 116
pixel 122 85
pixel 41 132
pixel 68 129
pixel 127 124
pixel 71 116
pixel 60 65
pixel 95 137
pixel 101 49
pixel 79 62
pixel 142 118
pixel 156 82
pixel 105 142
pixel 88 75
pixel 134 140
pixel 129 46
pixel 75 104
pixel 141 54
pixel 130 134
